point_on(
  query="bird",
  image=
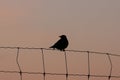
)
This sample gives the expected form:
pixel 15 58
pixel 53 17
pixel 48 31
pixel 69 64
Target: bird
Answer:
pixel 61 44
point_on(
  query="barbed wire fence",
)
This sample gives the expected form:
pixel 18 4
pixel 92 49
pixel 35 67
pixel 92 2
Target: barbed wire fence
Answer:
pixel 109 76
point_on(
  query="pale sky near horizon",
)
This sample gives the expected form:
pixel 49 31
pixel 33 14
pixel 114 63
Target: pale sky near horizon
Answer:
pixel 89 24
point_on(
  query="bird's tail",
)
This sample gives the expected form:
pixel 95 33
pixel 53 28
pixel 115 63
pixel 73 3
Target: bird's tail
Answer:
pixel 51 47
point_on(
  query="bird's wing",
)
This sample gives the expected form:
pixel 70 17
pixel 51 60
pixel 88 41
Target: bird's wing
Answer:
pixel 58 43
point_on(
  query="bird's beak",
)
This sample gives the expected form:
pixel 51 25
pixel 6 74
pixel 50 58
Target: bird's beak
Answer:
pixel 59 36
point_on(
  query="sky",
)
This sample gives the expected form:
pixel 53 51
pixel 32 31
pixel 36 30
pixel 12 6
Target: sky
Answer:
pixel 88 24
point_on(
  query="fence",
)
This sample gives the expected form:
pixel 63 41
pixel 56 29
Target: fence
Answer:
pixel 88 75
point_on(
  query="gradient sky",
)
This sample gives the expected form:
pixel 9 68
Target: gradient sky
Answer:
pixel 89 24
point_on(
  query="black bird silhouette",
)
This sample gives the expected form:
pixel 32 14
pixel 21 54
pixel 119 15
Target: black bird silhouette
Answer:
pixel 61 44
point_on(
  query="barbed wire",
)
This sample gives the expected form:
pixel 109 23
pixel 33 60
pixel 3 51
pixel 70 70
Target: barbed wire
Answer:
pixel 66 74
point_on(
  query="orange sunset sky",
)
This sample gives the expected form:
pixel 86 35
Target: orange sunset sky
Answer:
pixel 89 24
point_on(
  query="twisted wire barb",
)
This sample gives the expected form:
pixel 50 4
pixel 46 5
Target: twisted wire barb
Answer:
pixel 44 73
pixel 88 65
pixel 65 54
pixel 17 61
pixel 111 66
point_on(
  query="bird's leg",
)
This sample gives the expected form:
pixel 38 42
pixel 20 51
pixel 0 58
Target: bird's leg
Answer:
pixel 62 50
pixel 53 48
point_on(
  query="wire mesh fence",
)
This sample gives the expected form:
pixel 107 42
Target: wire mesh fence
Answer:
pixel 23 63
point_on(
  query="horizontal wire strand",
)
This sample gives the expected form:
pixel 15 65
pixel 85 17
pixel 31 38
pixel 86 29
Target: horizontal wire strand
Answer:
pixel 94 52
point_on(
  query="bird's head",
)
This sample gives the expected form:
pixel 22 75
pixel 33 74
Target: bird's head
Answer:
pixel 62 36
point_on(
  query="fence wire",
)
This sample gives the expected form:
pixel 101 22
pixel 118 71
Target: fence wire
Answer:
pixel 66 74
